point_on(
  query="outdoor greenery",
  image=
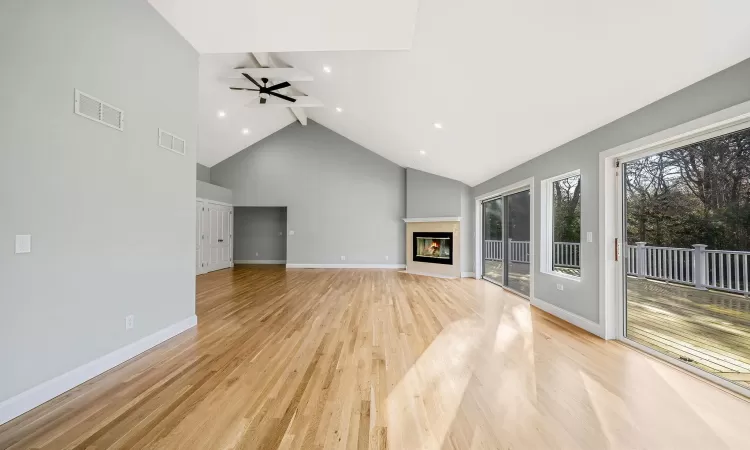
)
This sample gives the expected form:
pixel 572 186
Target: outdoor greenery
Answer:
pixel 519 217
pixel 566 206
pixel 697 194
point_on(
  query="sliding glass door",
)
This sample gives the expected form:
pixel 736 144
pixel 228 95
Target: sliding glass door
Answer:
pixel 686 248
pixel 494 247
pixel 507 241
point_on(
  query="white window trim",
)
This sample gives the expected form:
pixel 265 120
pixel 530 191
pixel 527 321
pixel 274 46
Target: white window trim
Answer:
pixel 546 237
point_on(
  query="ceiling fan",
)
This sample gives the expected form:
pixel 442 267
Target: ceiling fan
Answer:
pixel 264 91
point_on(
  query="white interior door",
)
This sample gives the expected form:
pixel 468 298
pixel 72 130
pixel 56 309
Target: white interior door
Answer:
pixel 205 250
pixel 218 238
pixel 198 235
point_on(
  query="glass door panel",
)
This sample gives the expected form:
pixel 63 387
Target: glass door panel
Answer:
pixel 507 245
pixel 493 269
pixel 686 249
pixel 518 219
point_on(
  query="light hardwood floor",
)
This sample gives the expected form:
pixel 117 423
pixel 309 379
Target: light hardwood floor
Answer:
pixel 327 359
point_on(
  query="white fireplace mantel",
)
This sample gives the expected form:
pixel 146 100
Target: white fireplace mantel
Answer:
pixel 432 219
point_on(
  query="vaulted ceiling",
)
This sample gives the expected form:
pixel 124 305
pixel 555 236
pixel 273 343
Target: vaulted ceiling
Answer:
pixel 507 79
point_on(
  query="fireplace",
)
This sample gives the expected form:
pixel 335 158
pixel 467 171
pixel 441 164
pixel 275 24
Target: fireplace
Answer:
pixel 433 247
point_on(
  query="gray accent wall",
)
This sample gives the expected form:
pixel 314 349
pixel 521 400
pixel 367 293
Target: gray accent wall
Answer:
pixel 341 199
pixel 722 90
pixel 429 195
pixel 202 173
pixel 210 191
pixel 260 234
pixel 111 214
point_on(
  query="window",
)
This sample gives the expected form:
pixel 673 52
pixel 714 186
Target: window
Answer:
pixel 561 225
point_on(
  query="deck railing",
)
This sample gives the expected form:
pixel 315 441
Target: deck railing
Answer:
pixel 567 254
pixel 723 270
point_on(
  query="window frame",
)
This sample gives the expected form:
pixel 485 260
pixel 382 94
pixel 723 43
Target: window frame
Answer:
pixel 546 235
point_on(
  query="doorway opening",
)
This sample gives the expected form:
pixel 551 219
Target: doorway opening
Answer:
pixel 260 235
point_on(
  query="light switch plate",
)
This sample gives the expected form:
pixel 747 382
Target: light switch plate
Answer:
pixel 23 243
pixel 589 236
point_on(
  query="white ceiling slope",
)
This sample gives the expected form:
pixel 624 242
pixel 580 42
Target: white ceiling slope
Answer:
pixel 509 80
pixel 221 137
pixel 234 26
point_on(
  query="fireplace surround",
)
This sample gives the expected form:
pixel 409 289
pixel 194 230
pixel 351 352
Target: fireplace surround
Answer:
pixel 432 247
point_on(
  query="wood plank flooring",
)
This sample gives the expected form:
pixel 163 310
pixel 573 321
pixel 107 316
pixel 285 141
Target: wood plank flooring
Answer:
pixel 356 359
pixel 707 329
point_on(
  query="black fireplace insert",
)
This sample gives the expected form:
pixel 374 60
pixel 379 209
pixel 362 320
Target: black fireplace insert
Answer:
pixel 433 247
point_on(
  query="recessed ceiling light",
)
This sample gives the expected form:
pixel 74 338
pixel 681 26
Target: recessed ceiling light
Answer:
pixel 338 109
pixel 221 113
pixel 422 152
pixel 245 131
pixel 438 125
pixel 327 69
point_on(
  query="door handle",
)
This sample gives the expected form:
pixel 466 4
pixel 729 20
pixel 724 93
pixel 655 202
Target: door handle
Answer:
pixel 221 240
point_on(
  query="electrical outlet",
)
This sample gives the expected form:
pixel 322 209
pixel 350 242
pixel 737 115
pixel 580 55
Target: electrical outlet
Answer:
pixel 291 232
pixel 129 322
pixel 560 287
pixel 386 257
pixel 343 258
pixel 281 233
pixel 256 254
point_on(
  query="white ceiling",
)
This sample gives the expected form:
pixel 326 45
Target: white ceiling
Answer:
pixel 235 26
pixel 508 79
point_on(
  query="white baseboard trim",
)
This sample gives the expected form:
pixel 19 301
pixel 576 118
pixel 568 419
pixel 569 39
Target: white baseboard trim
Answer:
pixel 346 266
pixel 575 319
pixel 30 399
pixel 260 261
pixel 467 275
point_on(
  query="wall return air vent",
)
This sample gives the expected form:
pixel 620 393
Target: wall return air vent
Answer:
pixel 98 111
pixel 171 142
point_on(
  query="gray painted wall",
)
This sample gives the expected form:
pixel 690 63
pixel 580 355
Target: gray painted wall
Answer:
pixel 468 243
pixel 429 195
pixel 202 173
pixel 341 198
pixel 720 91
pixel 260 234
pixel 112 215
pixel 210 191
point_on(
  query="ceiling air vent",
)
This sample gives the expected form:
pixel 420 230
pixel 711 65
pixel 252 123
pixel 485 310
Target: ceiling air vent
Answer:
pixel 98 111
pixel 171 142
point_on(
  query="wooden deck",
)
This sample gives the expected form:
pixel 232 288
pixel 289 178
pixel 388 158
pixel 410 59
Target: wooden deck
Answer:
pixel 707 329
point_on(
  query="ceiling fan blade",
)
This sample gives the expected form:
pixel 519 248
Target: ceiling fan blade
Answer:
pixel 262 100
pixel 279 86
pixel 252 80
pixel 242 89
pixel 289 99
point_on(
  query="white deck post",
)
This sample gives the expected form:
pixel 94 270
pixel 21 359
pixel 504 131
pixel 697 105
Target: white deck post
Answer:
pixel 699 273
pixel 640 259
